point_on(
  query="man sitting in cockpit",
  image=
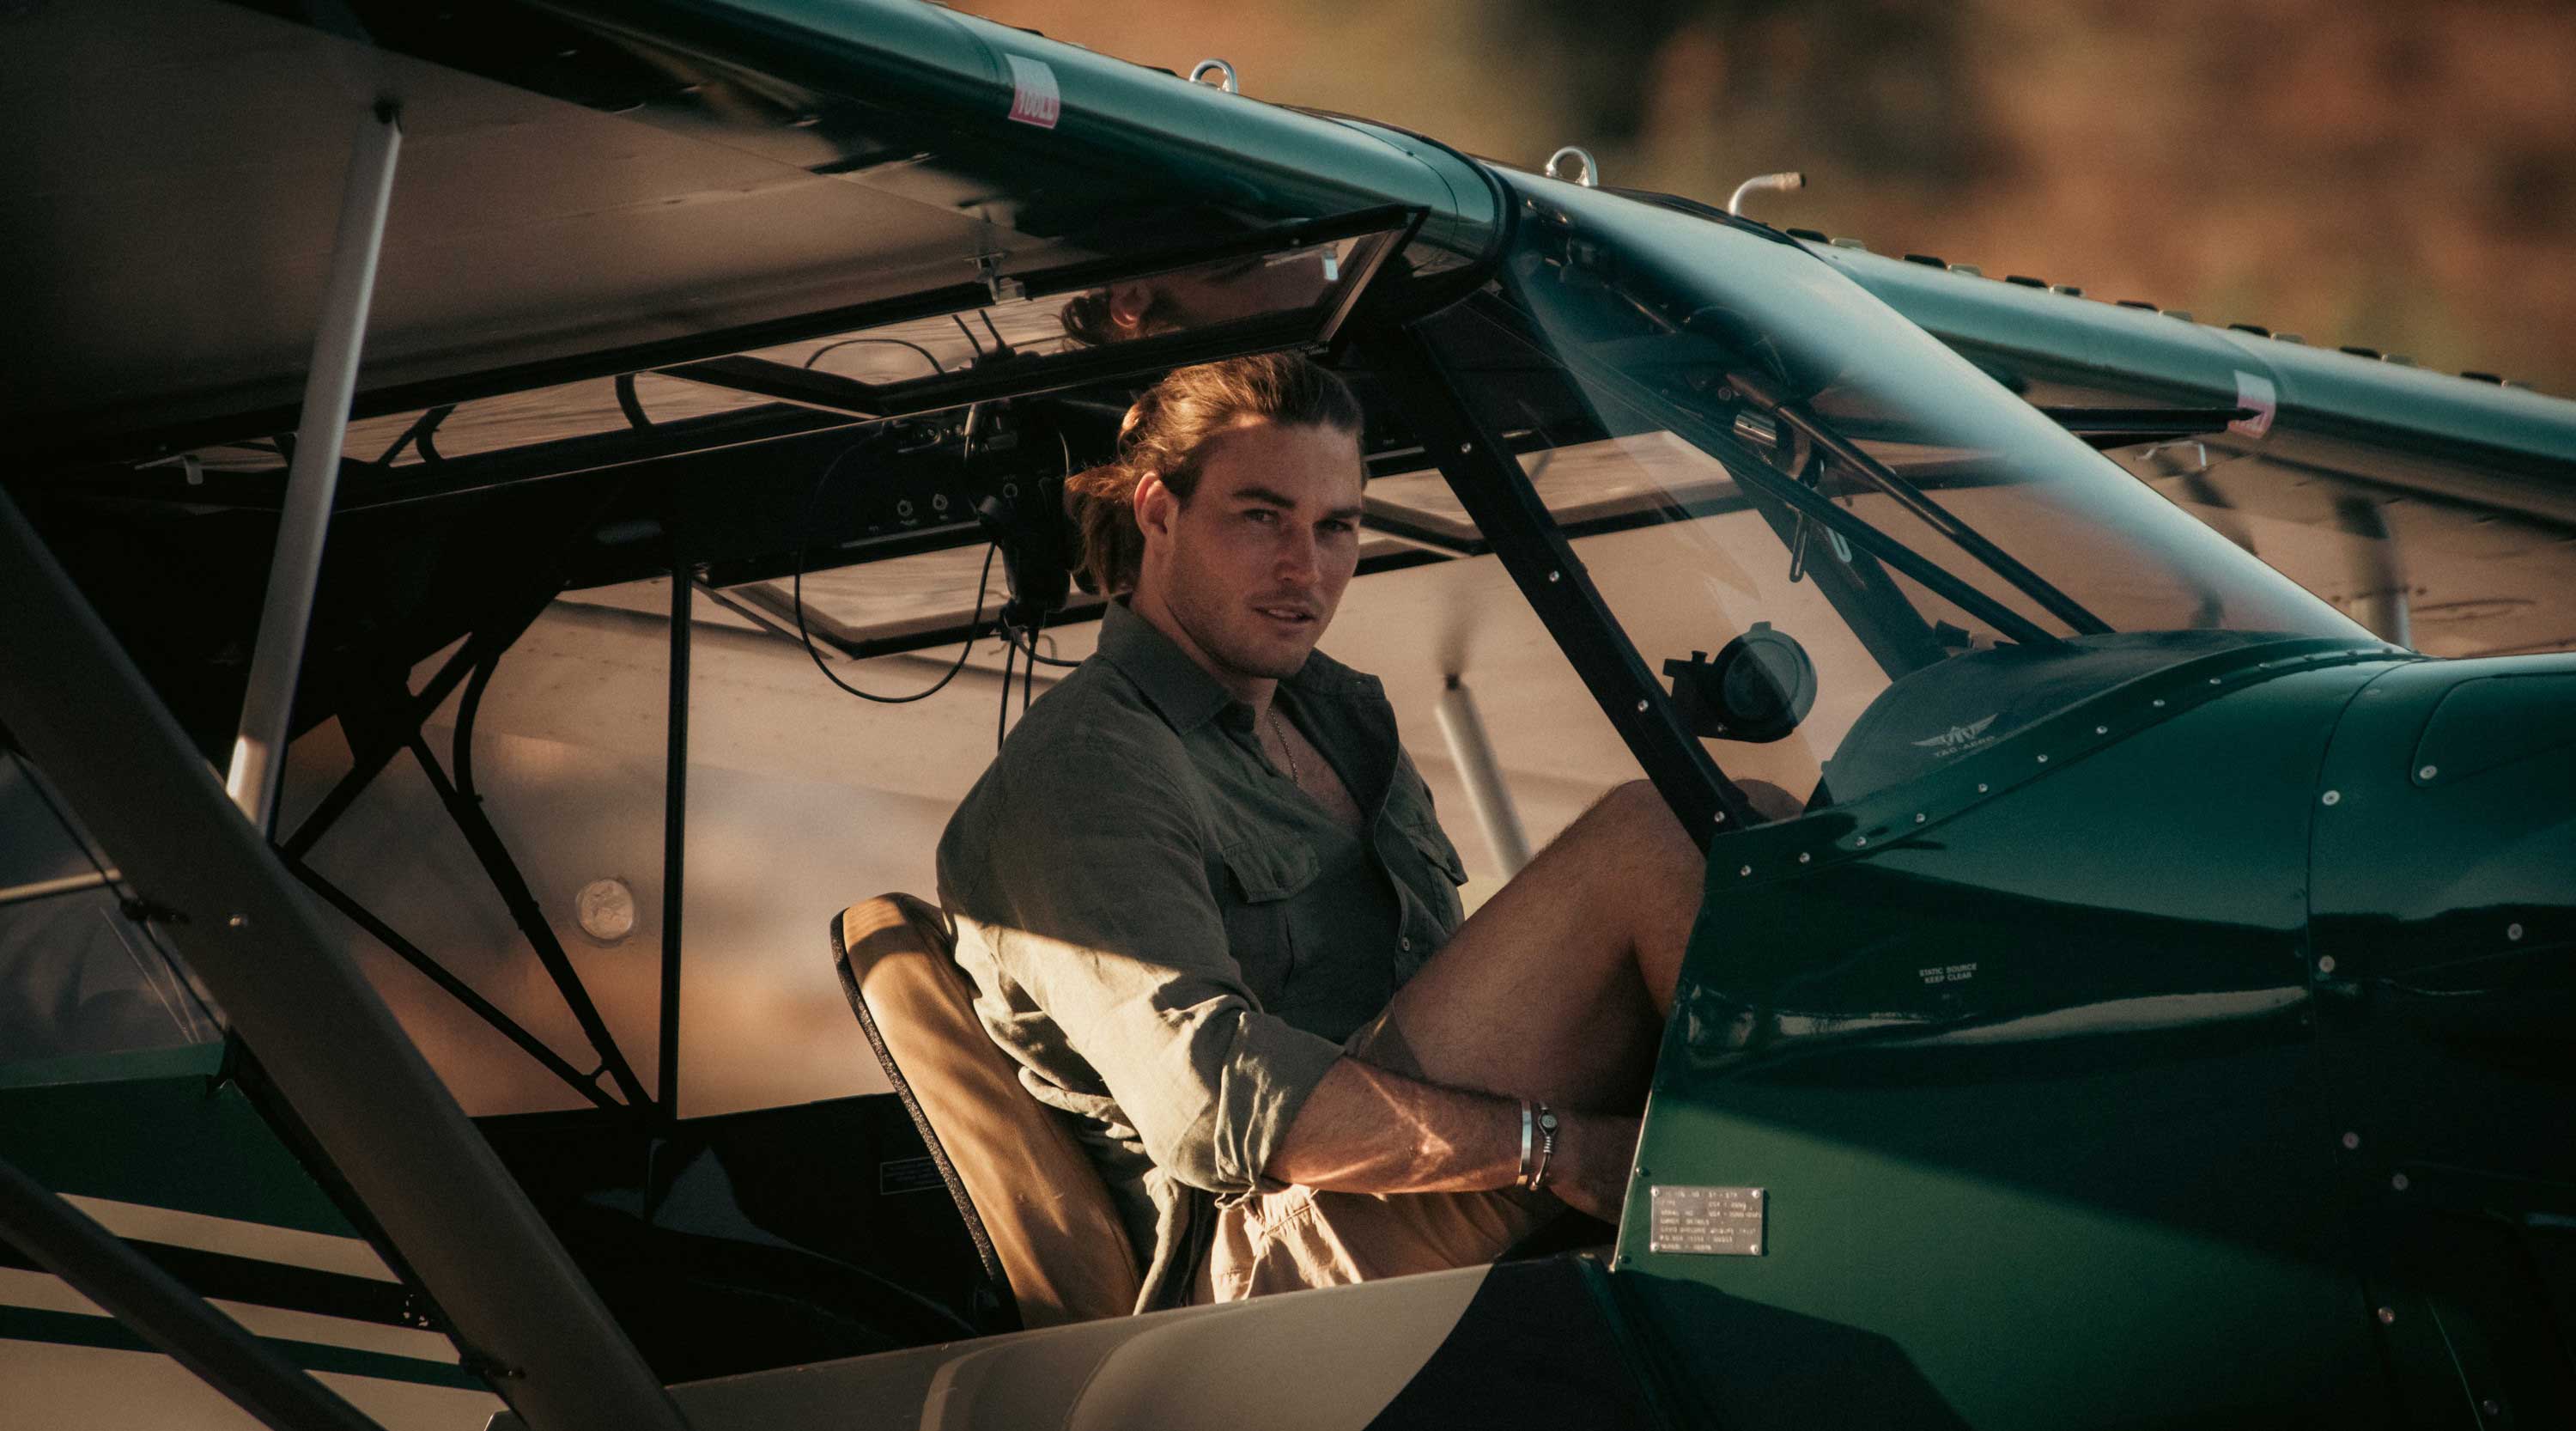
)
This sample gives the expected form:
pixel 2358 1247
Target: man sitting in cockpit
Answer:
pixel 1207 907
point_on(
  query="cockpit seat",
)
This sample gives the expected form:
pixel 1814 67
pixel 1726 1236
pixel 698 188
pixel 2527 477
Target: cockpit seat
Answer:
pixel 1049 1238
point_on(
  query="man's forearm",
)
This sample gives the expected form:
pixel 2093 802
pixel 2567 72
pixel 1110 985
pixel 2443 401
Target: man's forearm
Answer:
pixel 1364 1129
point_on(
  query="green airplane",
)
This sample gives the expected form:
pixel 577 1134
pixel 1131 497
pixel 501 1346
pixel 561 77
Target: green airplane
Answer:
pixel 464 453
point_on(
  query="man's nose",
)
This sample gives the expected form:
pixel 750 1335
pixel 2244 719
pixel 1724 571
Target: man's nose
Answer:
pixel 1300 559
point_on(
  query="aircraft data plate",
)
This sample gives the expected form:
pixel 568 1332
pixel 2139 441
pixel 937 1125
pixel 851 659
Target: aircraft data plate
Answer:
pixel 1720 1222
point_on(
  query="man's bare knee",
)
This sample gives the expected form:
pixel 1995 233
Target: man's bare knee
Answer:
pixel 1636 810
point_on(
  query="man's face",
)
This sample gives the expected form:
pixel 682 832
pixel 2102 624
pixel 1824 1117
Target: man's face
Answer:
pixel 1252 566
pixel 1220 293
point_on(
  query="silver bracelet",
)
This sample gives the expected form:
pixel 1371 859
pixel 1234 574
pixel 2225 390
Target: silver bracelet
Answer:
pixel 1546 1145
pixel 1529 1132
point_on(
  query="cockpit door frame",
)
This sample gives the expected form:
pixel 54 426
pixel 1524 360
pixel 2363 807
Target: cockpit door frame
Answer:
pixel 1489 483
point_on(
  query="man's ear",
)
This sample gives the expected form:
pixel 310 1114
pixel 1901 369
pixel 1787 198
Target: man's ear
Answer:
pixel 1128 305
pixel 1156 506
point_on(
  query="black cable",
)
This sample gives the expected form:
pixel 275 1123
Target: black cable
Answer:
pixel 1028 642
pixel 933 358
pixel 1029 673
pixel 1002 717
pixel 461 750
pixel 804 521
pixel 999 346
pixel 631 405
pixel 971 340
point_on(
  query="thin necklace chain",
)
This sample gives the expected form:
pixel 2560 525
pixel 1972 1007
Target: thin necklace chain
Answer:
pixel 1281 731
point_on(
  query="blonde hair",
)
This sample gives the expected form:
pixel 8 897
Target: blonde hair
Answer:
pixel 1167 432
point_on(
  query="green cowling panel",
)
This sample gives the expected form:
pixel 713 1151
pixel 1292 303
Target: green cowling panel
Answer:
pixel 2446 899
pixel 2023 1056
pixel 163 1128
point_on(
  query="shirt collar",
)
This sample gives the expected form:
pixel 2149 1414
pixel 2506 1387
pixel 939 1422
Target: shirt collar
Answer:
pixel 1181 689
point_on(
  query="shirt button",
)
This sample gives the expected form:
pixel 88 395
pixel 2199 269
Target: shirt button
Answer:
pixel 1405 943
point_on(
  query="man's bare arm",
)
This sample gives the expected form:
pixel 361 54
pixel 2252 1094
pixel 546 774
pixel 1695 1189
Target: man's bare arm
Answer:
pixel 1364 1129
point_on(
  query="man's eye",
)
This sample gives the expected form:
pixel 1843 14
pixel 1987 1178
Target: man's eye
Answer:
pixel 1339 525
pixel 1260 514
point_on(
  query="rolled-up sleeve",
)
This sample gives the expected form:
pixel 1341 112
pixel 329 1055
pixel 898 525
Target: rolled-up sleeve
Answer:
pixel 1089 891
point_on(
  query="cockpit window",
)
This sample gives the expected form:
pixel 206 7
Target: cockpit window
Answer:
pixel 1794 501
pixel 78 979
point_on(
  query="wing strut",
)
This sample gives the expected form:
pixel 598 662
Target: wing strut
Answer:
pixel 81 709
pixel 313 478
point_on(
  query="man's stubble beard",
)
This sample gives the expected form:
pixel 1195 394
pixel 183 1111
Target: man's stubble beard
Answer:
pixel 1207 630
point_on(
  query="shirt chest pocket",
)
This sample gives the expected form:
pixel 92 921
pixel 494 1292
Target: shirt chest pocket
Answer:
pixel 1259 882
pixel 1423 860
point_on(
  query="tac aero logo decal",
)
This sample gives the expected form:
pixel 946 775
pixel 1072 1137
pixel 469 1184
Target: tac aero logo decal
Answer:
pixel 1957 738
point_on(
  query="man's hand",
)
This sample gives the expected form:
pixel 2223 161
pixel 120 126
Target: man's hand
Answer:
pixel 1589 1172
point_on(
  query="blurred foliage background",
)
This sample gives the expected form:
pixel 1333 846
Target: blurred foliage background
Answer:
pixel 2398 174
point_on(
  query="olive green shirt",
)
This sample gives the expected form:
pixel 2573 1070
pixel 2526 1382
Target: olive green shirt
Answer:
pixel 1169 936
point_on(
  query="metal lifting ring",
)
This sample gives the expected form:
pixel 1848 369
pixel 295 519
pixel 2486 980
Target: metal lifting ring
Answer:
pixel 1591 171
pixel 1199 73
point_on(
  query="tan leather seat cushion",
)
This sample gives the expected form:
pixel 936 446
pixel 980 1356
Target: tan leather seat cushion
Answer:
pixel 1048 1217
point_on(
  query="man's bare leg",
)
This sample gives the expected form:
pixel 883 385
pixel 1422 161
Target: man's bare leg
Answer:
pixel 1558 987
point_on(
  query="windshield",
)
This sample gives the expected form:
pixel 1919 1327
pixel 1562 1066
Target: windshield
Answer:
pixel 1850 552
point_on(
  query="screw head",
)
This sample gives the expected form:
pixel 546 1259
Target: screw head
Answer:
pixel 1748 869
pixel 1981 787
pixel 2387 1315
pixel 1859 840
pixel 2043 760
pixel 1641 707
pixel 1918 817
pixel 2491 1407
pixel 2213 680
pixel 1556 576
pixel 2333 797
pixel 1802 857
pixel 2101 730
pixel 2325 965
pixel 2160 704
pixel 238 921
pixel 2428 772
pixel 2351 1141
pixel 2513 931
pixel 2398 1182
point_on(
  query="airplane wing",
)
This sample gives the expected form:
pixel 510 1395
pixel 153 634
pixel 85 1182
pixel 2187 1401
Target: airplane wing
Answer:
pixel 585 190
pixel 2438 510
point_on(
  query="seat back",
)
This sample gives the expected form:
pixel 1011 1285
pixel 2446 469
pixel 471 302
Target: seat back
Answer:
pixel 1040 1217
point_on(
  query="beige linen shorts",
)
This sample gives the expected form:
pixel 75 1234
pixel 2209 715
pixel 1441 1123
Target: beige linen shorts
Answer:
pixel 1298 1237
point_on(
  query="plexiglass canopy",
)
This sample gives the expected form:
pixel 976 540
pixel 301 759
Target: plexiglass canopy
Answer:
pixel 1737 436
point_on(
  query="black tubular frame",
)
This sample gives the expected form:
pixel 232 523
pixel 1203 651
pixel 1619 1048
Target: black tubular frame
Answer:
pixel 1807 502
pixel 494 856
pixel 381 727
pixel 1488 482
pixel 675 817
pixel 98 1264
pixel 1913 499
pixel 439 974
